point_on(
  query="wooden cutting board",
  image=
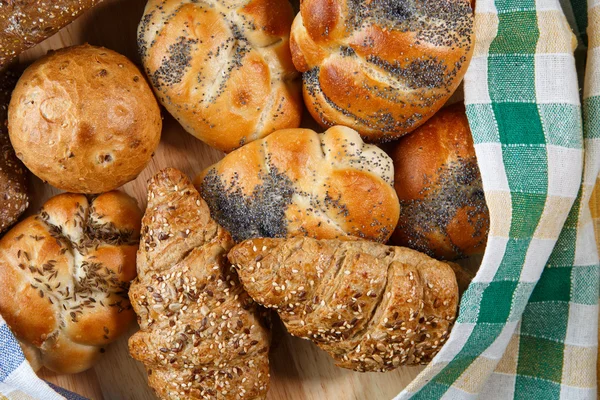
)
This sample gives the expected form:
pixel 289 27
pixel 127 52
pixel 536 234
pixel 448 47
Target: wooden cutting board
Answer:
pixel 299 369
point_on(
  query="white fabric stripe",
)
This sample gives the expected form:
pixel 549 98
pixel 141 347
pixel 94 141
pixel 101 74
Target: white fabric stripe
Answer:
pixel 485 6
pixel 592 154
pixel 538 252
pixel 458 337
pixel 547 5
pixel 585 253
pixel 25 380
pixel 496 350
pixel 563 165
pixel 575 393
pixel 499 386
pixel 556 79
pixel 491 165
pixel 581 329
pixel 491 259
pixel 593 3
pixel 477 80
pixel 592 75
pixel 455 393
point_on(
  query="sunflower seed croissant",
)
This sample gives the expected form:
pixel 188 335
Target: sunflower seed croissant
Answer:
pixel 371 307
pixel 201 336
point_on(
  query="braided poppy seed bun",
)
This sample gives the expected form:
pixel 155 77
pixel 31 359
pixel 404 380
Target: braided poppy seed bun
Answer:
pixel 443 210
pixel 381 67
pixel 222 68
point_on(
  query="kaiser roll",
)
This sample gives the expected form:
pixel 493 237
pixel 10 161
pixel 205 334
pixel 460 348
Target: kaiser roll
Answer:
pixel 222 68
pixel 65 274
pixel 297 182
pixel 84 119
pixel 443 209
pixel 382 67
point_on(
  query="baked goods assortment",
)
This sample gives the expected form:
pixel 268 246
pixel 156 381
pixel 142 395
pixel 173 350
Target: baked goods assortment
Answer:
pixel 25 23
pixel 298 182
pixel 381 67
pixel 84 119
pixel 222 68
pixel 443 210
pixel 14 199
pixel 289 220
pixel 65 274
pixel 371 307
pixel 201 336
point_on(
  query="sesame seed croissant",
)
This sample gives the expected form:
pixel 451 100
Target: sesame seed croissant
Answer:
pixel 371 307
pixel 201 336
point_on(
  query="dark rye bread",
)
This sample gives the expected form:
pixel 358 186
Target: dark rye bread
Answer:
pixel 24 23
pixel 13 175
pixel 371 307
pixel 381 67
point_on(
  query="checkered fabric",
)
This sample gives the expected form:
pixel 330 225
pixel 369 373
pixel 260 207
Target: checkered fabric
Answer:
pixel 528 324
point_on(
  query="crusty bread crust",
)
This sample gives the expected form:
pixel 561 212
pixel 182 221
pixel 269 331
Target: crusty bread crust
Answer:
pixel 84 119
pixel 13 175
pixel 201 336
pixel 371 307
pixel 298 182
pixel 223 69
pixel 443 209
pixel 381 67
pixel 65 273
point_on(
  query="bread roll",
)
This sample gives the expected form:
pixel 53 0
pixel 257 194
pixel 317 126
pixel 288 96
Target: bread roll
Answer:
pixel 371 307
pixel 297 182
pixel 201 336
pixel 222 68
pixel 24 23
pixel 13 176
pixel 84 119
pixel 443 209
pixel 65 273
pixel 381 67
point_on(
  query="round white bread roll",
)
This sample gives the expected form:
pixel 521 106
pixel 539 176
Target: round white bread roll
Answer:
pixel 222 68
pixel 84 119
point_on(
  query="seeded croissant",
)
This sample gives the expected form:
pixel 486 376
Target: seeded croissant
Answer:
pixel 371 307
pixel 201 335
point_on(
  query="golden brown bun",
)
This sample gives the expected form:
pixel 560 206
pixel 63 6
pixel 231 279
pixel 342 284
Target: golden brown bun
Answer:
pixel 64 275
pixel 223 69
pixel 443 210
pixel 13 176
pixel 84 119
pixel 381 67
pixel 298 182
pixel 371 307
pixel 201 336
pixel 24 23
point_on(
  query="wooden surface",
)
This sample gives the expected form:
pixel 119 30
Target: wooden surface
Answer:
pixel 299 370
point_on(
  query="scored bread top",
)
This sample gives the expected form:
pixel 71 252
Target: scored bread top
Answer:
pixel 371 307
pixel 298 182
pixel 201 336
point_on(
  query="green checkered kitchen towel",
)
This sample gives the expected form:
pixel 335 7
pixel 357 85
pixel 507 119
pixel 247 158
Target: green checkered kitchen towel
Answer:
pixel 528 324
